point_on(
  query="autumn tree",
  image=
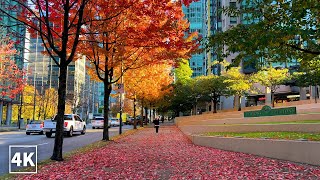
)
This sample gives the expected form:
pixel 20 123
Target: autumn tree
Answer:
pixel 130 39
pixel 183 71
pixel 238 83
pixel 148 84
pixel 181 97
pixel 272 78
pixel 59 24
pixel 11 76
pixel 27 105
pixel 49 103
pixel 213 86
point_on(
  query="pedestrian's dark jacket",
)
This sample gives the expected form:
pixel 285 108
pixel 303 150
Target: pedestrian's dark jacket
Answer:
pixel 156 122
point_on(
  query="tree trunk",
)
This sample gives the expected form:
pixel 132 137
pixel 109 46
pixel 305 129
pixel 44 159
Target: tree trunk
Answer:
pixel 272 98
pixel 150 113
pixel 107 91
pixel 46 107
pixel 239 103
pixel 134 114
pixel 315 93
pixel 58 141
pixel 215 105
pixel 141 120
pixel 146 116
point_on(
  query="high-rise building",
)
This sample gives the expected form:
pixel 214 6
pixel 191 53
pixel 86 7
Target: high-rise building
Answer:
pixel 16 33
pixel 212 26
pixel 195 14
pixel 43 73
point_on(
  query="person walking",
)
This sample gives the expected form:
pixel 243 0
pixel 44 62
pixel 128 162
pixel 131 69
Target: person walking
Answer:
pixel 156 124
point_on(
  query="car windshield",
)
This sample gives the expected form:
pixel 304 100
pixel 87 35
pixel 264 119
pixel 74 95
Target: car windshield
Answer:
pixel 66 117
pixel 35 122
pixel 98 118
pixel 114 119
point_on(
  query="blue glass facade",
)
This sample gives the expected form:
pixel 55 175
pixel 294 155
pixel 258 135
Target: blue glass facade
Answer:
pixel 195 13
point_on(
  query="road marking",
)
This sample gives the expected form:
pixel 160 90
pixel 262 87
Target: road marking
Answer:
pixel 42 144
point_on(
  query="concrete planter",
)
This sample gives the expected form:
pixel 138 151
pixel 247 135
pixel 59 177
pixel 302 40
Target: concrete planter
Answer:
pixel 296 151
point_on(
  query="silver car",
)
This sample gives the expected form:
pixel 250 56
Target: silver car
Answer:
pixel 115 122
pixel 34 127
pixel 98 122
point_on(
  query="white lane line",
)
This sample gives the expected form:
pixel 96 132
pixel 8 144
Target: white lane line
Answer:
pixel 36 145
pixel 42 144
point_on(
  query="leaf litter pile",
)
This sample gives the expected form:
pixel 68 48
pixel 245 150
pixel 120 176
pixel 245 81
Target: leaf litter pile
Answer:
pixel 169 155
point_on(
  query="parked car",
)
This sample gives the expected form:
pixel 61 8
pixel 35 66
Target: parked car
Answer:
pixel 131 121
pixel 72 123
pixel 97 122
pixel 115 122
pixel 34 127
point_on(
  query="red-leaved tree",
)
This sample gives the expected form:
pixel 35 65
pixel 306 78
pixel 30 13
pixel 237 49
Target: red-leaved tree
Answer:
pixel 59 24
pixel 135 34
pixel 11 76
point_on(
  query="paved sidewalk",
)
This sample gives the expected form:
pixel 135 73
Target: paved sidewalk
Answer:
pixel 170 155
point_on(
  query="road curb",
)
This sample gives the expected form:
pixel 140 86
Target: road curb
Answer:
pixel 7 129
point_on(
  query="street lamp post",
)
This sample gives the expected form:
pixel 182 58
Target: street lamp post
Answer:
pixel 34 95
pixel 197 97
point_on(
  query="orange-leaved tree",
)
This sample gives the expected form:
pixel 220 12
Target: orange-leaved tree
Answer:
pixel 148 84
pixel 59 23
pixel 130 39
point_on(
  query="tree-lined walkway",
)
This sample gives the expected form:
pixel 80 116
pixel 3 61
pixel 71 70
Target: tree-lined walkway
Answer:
pixel 170 155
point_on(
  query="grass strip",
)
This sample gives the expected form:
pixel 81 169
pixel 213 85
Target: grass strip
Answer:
pixel 283 122
pixel 271 135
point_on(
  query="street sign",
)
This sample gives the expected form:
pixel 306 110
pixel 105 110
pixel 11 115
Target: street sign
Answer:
pixel 268 111
pixel 120 88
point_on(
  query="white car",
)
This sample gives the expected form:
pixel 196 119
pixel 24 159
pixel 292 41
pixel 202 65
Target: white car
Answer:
pixel 72 123
pixel 98 122
pixel 115 122
pixel 34 127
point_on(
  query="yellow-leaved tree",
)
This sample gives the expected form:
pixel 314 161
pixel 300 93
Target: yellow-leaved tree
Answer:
pixel 272 78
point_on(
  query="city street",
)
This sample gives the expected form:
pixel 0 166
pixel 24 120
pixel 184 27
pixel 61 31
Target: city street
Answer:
pixel 45 145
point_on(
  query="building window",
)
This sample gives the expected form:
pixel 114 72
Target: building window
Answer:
pixel 233 20
pixel 233 5
pixel 193 63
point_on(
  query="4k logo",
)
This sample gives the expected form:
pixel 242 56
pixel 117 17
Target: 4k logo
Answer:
pixel 23 156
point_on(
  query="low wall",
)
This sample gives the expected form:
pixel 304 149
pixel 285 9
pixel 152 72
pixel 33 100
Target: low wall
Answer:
pixel 296 151
pixel 294 103
pixel 201 129
pixel 302 108
pixel 226 121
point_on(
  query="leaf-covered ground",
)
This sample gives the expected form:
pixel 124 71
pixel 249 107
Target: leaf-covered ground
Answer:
pixel 170 155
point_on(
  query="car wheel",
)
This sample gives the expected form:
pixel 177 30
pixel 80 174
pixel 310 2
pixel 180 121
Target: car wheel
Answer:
pixel 70 133
pixel 27 133
pixel 93 127
pixel 83 130
pixel 48 134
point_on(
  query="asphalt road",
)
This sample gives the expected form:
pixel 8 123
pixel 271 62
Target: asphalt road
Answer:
pixel 45 145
